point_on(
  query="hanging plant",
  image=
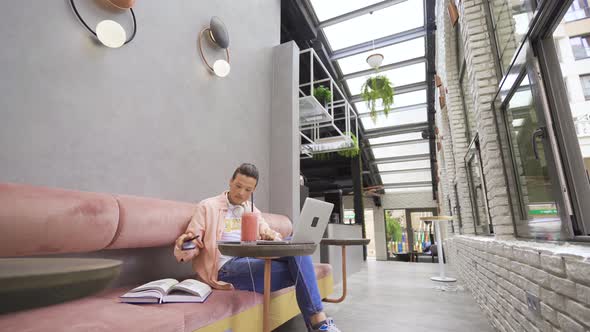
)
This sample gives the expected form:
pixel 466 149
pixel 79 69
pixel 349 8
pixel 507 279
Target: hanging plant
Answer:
pixel 375 88
pixel 354 150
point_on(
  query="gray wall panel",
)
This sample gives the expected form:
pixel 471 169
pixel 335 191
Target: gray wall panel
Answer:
pixel 146 119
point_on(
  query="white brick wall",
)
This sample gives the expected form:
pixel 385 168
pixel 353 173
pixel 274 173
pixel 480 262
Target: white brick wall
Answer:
pixel 499 270
pixel 500 273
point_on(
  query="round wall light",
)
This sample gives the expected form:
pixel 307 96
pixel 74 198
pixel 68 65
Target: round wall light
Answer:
pixel 108 32
pixel 217 35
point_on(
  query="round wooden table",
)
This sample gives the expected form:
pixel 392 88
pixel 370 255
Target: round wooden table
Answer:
pixel 34 282
pixel 266 252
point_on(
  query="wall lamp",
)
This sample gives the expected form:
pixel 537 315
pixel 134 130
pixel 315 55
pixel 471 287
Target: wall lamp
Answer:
pixel 218 35
pixel 108 32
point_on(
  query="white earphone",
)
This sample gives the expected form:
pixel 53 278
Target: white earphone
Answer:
pixel 236 210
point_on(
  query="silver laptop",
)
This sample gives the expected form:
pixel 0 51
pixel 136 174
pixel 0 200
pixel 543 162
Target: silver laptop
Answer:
pixel 311 225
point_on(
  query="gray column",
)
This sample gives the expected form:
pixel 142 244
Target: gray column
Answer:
pixel 284 132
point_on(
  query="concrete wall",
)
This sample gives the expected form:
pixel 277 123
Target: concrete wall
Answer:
pixel 146 119
pixel 390 201
pixel 500 270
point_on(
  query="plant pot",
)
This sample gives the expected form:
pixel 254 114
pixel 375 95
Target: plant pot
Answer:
pixel 377 83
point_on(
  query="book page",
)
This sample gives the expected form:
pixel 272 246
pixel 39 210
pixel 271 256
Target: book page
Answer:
pixel 192 286
pixel 162 286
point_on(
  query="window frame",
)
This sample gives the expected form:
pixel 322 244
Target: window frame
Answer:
pixel 474 152
pixel 582 76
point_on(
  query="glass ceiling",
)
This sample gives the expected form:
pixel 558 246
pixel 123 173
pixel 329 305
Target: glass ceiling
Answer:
pixel 395 119
pixel 381 23
pixel 386 23
pixel 391 54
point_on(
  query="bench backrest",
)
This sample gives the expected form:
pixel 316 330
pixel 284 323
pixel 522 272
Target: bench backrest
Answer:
pixel 37 220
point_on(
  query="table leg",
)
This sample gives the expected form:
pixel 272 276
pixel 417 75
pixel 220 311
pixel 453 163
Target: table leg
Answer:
pixel 266 299
pixel 441 263
pixel 341 298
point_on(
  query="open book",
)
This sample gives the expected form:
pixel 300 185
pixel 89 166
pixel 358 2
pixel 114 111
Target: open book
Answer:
pixel 168 290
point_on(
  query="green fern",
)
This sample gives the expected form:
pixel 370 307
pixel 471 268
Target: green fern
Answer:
pixel 375 88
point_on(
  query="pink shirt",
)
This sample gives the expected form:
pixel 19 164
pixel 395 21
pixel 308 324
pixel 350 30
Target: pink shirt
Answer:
pixel 208 222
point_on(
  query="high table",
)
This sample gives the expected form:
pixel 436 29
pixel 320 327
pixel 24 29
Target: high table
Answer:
pixel 32 282
pixel 266 252
pixel 437 220
pixel 343 243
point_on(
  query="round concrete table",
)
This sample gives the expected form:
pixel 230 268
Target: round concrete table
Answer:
pixel 266 252
pixel 343 243
pixel 437 220
pixel 33 282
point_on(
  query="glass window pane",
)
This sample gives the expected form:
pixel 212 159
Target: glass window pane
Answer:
pixel 395 119
pixel 398 77
pixel 403 165
pixel 581 46
pixel 400 151
pixel 399 100
pixel 326 9
pixel 511 23
pixel 391 54
pixel 578 10
pixel 585 80
pixel 576 75
pixel 406 177
pixel 541 219
pixel 388 21
pixel 395 138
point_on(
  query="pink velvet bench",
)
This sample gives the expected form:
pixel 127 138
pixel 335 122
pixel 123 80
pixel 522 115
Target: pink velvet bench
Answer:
pixel 46 221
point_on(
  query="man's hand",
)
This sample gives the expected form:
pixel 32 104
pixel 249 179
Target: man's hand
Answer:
pixel 269 234
pixel 187 255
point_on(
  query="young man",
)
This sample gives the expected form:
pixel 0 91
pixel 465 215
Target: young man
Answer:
pixel 219 218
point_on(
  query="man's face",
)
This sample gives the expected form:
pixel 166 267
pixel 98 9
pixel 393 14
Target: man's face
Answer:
pixel 241 188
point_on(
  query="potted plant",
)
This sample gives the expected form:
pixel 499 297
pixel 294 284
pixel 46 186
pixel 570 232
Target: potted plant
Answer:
pixel 375 88
pixel 352 151
pixel 322 94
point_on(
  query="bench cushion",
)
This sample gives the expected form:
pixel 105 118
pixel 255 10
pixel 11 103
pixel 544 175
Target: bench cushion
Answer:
pixel 37 220
pixel 94 314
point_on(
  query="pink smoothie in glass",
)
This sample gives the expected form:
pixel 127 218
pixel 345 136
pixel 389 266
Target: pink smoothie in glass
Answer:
pixel 249 227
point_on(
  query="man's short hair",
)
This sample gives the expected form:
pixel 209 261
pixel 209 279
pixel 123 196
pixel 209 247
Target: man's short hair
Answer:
pixel 248 170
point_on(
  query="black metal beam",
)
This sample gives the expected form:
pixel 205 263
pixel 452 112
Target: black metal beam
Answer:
pixel 400 143
pixel 413 157
pixel 395 130
pixel 429 8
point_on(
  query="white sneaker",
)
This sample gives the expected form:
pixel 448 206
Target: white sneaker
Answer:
pixel 328 326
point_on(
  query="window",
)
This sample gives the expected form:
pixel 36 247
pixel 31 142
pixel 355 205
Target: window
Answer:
pixel 581 46
pixel 482 221
pixel 585 79
pixel 578 10
pixel 510 22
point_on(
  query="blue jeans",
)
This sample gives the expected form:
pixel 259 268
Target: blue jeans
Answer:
pixel 284 272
